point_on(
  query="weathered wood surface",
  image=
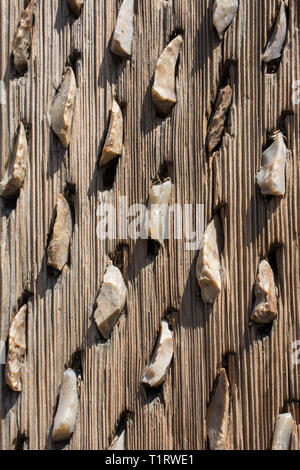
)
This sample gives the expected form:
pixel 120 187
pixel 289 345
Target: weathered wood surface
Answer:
pixel 263 379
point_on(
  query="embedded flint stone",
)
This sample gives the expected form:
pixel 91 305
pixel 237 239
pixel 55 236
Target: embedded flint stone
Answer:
pixel 156 216
pixel 16 350
pixel 76 6
pixel 271 177
pixel 22 40
pixel 164 89
pixel 114 140
pixel 283 432
pixel 66 414
pixel 208 263
pixel 14 177
pixel 63 108
pixel 119 442
pixel 265 308
pixel 217 123
pixel 276 43
pixel 122 38
pixel 218 414
pixel 58 250
pixel 158 367
pixel 111 301
pixel 223 13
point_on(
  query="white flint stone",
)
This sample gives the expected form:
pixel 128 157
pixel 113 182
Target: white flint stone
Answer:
pixel 208 264
pixel 157 370
pixel 58 249
pixel 114 140
pixel 122 38
pixel 63 108
pixel 111 301
pixel 16 350
pixel 218 414
pixel 223 13
pixel 271 177
pixel 22 41
pixel 275 45
pixel 265 308
pixel 14 177
pixel 66 414
pixel 283 432
pixel 118 442
pixel 156 216
pixel 164 90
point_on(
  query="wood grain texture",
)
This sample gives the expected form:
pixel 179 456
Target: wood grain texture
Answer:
pixel 263 379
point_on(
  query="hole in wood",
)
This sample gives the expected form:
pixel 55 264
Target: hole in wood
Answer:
pixel 166 171
pixel 73 58
pixel 153 248
pixel 120 258
pixel 75 363
pixel 171 317
pixel 24 298
pixel 109 174
pixel 272 66
pixel 282 124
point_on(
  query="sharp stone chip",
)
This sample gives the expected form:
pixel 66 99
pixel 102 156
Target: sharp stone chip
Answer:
pixel 224 12
pixel 217 122
pixel 111 301
pixel 156 216
pixel 58 250
pixel 276 43
pixel 164 89
pixel 119 442
pixel 16 350
pixel 157 370
pixel 283 432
